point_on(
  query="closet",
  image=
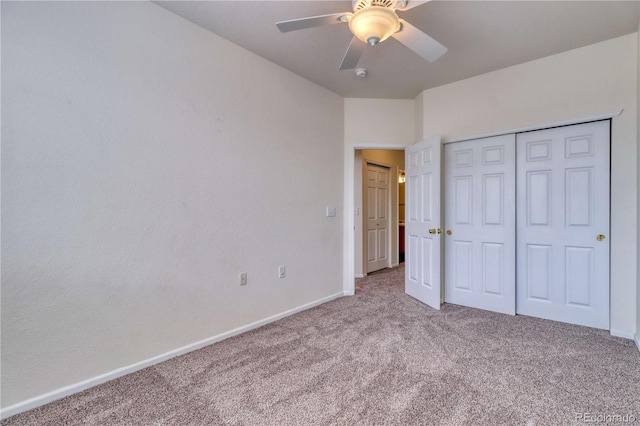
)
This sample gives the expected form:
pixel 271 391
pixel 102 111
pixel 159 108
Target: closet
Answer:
pixel 526 221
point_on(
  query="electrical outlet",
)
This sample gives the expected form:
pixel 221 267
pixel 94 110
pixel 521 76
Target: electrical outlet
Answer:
pixel 282 272
pixel 243 278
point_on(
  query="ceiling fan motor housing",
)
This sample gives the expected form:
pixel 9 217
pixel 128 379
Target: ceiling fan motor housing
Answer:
pixel 392 4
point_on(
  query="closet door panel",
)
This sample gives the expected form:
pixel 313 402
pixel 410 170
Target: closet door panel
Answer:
pixel 480 223
pixel 563 224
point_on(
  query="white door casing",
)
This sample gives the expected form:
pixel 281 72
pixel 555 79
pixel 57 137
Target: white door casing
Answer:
pixel 480 243
pixel 377 210
pixel 563 224
pixel 422 221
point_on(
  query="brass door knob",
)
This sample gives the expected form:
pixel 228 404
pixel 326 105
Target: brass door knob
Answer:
pixel 600 237
pixel 432 230
pixel 449 232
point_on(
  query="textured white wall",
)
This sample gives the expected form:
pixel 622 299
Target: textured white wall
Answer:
pixel 145 164
pixel 419 117
pixel 590 80
pixel 637 336
pixel 376 124
pixel 379 123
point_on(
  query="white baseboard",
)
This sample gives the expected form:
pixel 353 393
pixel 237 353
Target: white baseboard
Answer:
pixel 637 339
pixel 618 333
pixel 95 381
pixel 359 276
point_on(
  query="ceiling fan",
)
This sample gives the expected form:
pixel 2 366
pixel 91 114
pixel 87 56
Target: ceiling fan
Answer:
pixel 371 22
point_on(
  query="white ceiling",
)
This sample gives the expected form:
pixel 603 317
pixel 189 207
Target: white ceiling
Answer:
pixel 481 36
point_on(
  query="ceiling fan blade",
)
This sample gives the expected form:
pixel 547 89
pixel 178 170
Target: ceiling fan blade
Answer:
pixel 310 22
pixel 413 3
pixel 352 56
pixel 419 42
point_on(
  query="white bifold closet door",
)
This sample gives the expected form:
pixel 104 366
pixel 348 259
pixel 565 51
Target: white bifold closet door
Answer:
pixel 422 221
pixel 563 224
pixel 480 226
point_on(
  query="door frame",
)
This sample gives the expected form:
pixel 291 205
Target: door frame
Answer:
pixel 348 270
pixel 349 222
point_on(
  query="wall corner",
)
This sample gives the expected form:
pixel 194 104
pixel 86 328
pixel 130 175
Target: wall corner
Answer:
pixel 419 117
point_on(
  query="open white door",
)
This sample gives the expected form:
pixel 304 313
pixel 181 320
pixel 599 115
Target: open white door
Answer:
pixel 422 221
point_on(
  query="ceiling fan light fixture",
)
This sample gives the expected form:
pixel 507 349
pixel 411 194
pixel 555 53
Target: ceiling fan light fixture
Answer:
pixel 374 24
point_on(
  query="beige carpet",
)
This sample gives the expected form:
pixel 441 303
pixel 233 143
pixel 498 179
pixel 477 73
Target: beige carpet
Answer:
pixel 379 357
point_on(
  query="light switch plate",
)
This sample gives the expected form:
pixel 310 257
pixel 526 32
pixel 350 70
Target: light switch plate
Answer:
pixel 331 211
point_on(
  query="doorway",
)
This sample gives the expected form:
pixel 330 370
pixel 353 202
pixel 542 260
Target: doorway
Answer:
pixel 366 239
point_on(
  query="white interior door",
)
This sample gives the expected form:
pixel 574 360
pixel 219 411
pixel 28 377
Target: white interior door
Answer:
pixel 563 224
pixel 422 221
pixel 480 223
pixel 377 203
